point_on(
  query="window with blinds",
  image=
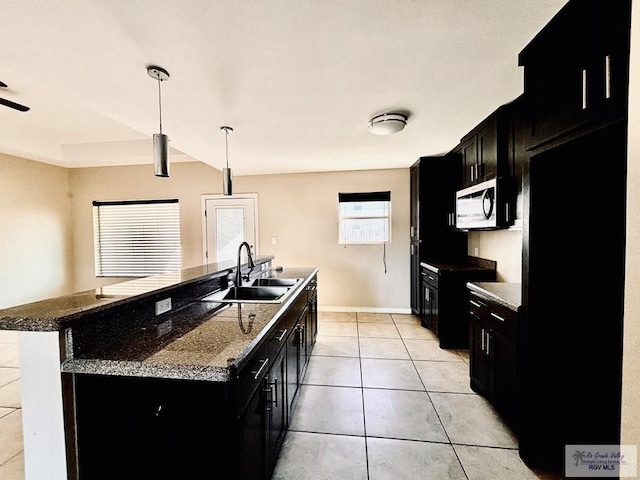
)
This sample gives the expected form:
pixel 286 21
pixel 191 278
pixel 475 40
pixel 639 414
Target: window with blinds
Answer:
pixel 137 238
pixel 364 217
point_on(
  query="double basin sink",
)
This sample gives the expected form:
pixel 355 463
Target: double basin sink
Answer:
pixel 260 290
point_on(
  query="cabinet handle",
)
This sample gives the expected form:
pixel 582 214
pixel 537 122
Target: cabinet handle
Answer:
pixel 268 399
pixel 273 390
pixel 607 76
pixel 284 332
pixel 497 316
pixel 430 277
pixel 475 304
pixel 264 365
pixel 584 89
pixel 482 344
pixel 488 338
pixel 301 330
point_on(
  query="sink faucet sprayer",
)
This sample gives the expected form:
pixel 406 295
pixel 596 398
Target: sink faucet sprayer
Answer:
pixel 250 261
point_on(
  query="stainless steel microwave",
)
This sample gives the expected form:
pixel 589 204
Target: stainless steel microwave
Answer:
pixel 477 206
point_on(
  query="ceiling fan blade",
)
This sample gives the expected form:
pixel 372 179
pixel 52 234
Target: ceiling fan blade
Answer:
pixel 2 84
pixel 10 104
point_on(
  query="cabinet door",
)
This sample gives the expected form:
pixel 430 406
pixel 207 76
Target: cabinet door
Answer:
pixel 253 433
pixel 415 279
pixel 430 307
pixel 504 380
pixel 487 152
pixel 276 406
pixel 479 362
pixel 293 382
pixel 469 161
pixel 303 343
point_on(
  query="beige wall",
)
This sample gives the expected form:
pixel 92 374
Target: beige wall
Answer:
pixel 503 246
pixel 631 357
pixel 35 258
pixel 300 209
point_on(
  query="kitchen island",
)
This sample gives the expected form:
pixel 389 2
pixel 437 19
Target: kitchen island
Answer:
pixel 155 377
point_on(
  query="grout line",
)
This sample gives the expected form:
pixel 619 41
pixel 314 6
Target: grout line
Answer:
pixel 364 413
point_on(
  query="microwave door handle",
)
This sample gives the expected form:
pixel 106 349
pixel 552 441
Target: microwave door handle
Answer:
pixel 486 196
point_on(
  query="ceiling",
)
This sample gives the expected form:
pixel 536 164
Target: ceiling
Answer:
pixel 298 80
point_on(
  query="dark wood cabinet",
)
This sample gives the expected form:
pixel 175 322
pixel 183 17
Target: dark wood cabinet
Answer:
pixel 577 143
pixel 445 298
pixel 429 311
pixel 492 355
pixel 433 183
pixel 575 83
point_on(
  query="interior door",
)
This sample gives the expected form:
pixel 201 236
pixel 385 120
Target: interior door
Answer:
pixel 228 221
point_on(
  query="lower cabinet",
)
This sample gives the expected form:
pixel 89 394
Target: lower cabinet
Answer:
pixel 493 356
pixel 141 427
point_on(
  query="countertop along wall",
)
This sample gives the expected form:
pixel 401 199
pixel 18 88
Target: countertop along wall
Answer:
pixel 300 209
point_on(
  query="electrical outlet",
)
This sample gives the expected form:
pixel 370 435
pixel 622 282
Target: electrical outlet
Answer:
pixel 163 306
pixel 475 251
pixel 274 240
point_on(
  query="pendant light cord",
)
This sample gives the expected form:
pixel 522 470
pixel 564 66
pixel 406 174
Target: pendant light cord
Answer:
pixel 160 102
pixel 226 144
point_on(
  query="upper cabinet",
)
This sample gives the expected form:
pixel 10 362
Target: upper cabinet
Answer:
pixel 488 151
pixel 576 71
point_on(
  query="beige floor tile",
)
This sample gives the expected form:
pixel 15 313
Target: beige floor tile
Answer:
pixel 406 319
pixel 471 420
pixel 336 346
pixel 8 354
pixel 11 428
pixel 430 350
pixel 402 414
pixel 374 317
pixel 8 336
pixel 395 374
pixel 338 329
pixel 335 410
pixel 13 469
pixel 335 371
pixel 10 395
pixel 312 456
pixel 484 463
pixel 408 460
pixel 336 316
pixel 383 348
pixel 444 376
pixel 378 330
pixel 8 375
pixel 415 332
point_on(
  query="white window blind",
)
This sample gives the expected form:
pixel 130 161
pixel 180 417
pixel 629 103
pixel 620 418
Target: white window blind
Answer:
pixel 137 238
pixel 364 217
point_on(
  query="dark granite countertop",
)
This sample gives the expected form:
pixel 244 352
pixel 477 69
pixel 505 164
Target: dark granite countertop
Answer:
pixel 504 293
pixel 470 264
pixel 52 314
pixel 198 342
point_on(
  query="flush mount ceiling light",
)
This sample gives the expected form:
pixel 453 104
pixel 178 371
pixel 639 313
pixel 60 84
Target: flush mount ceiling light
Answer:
pixel 160 140
pixel 227 188
pixel 387 123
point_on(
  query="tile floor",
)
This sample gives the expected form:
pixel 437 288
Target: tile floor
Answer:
pixel 380 400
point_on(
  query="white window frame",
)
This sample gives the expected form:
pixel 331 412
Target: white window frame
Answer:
pixel 362 198
pixel 137 238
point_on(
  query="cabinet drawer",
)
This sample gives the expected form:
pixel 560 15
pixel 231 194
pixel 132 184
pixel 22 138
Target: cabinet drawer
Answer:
pixel 430 277
pixel 503 319
pixel 478 306
pixel 252 374
pixel 278 336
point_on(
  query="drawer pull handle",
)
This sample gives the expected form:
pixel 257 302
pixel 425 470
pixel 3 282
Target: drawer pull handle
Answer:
pixel 497 316
pixel 475 304
pixel 284 332
pixel 264 365
pixel 431 278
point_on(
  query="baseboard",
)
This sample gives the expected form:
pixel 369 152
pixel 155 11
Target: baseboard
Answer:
pixel 330 308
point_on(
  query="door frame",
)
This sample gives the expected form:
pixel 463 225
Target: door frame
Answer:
pixel 203 206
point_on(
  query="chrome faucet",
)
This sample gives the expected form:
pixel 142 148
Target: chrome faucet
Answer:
pixel 250 261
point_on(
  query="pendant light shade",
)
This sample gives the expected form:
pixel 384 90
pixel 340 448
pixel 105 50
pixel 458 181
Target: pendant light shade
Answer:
pixel 227 181
pixel 160 140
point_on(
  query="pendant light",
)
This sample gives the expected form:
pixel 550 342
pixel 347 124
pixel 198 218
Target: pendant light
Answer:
pixel 160 140
pixel 227 188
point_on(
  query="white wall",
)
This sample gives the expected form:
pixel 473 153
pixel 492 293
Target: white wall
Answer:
pixel 300 209
pixel 35 258
pixel 503 246
pixel 631 355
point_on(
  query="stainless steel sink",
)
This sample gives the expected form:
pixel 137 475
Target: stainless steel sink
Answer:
pixel 275 282
pixel 250 294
